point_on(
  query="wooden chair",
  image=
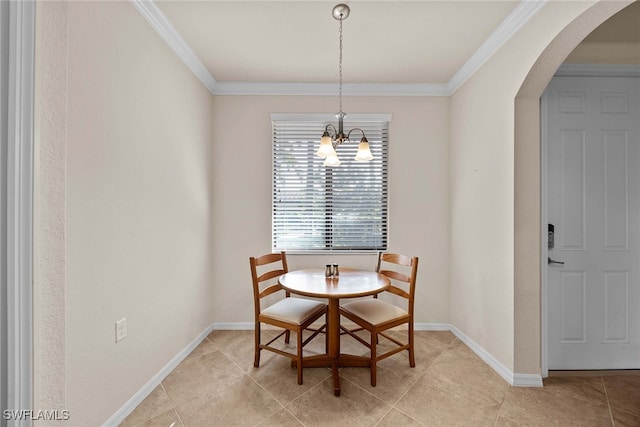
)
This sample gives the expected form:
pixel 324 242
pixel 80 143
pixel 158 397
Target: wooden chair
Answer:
pixel 376 316
pixel 292 314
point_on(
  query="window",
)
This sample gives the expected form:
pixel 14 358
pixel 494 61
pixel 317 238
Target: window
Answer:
pixel 317 208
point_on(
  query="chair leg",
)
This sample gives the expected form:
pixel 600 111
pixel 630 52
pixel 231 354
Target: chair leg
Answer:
pixel 412 359
pixel 256 356
pixel 326 333
pixel 286 336
pixel 299 356
pixel 374 340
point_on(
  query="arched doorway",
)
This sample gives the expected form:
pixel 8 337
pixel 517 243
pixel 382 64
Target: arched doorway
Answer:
pixel 528 345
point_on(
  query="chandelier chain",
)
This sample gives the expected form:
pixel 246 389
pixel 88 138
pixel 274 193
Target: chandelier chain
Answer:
pixel 331 137
pixel 340 66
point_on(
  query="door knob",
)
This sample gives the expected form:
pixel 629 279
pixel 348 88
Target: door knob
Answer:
pixel 552 261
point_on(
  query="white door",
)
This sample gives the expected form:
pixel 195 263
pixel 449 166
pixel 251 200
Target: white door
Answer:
pixel 593 202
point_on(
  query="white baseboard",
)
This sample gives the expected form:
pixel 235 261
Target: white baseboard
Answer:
pixel 233 326
pixel 431 326
pixel 154 382
pixel 516 380
pixel 527 380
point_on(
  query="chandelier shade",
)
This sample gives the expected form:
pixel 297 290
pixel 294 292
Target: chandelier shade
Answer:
pixel 326 146
pixel 364 153
pixel 332 137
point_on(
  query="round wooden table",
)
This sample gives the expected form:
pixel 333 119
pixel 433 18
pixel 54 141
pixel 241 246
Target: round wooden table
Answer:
pixel 349 284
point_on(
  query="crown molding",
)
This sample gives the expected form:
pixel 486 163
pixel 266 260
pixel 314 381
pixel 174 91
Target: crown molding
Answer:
pixel 512 23
pixel 507 28
pixel 170 35
pixel 323 117
pixel 348 89
pixel 598 70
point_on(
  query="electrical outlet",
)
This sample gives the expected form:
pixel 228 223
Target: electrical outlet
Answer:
pixel 121 329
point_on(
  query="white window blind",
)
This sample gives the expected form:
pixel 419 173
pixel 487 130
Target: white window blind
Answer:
pixel 318 208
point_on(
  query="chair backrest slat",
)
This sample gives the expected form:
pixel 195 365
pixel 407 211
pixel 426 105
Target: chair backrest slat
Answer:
pixel 260 279
pixel 270 258
pixel 396 275
pixel 386 263
pixel 398 259
pixel 270 275
pixel 269 290
pixel 397 291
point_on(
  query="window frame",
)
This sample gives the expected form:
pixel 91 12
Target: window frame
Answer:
pixel 351 120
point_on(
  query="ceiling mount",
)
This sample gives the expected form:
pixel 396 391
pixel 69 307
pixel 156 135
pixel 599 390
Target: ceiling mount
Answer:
pixel 340 12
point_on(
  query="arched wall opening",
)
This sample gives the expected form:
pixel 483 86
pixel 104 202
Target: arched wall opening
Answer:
pixel 527 185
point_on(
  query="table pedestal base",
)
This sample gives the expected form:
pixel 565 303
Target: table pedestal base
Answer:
pixel 326 361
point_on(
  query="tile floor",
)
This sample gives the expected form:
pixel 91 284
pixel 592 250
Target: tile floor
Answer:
pixel 217 385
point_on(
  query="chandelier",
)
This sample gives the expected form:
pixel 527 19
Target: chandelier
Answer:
pixel 332 137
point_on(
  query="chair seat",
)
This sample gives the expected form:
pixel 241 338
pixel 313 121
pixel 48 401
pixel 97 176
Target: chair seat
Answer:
pixel 293 310
pixel 374 311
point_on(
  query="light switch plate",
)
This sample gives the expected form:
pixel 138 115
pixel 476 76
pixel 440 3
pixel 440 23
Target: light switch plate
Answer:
pixel 121 329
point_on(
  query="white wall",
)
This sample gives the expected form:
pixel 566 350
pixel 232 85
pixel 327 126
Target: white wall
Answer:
pixel 152 194
pixel 132 238
pixel 485 234
pixel 50 142
pixel 482 183
pixel 418 194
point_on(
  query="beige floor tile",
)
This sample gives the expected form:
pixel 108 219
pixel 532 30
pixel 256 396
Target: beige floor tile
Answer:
pixel 237 345
pixel 393 379
pixel 217 385
pixel 562 401
pixel 437 341
pixel 241 402
pixel 434 339
pixel 354 407
pixel 624 393
pixel 395 376
pixel 586 388
pixel 625 419
pixel 167 419
pixel 459 365
pixel 458 350
pixel 205 347
pixel 200 376
pixel 155 404
pixel 281 380
pixel 436 402
pixel 282 418
pixel 225 339
pixel 395 418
